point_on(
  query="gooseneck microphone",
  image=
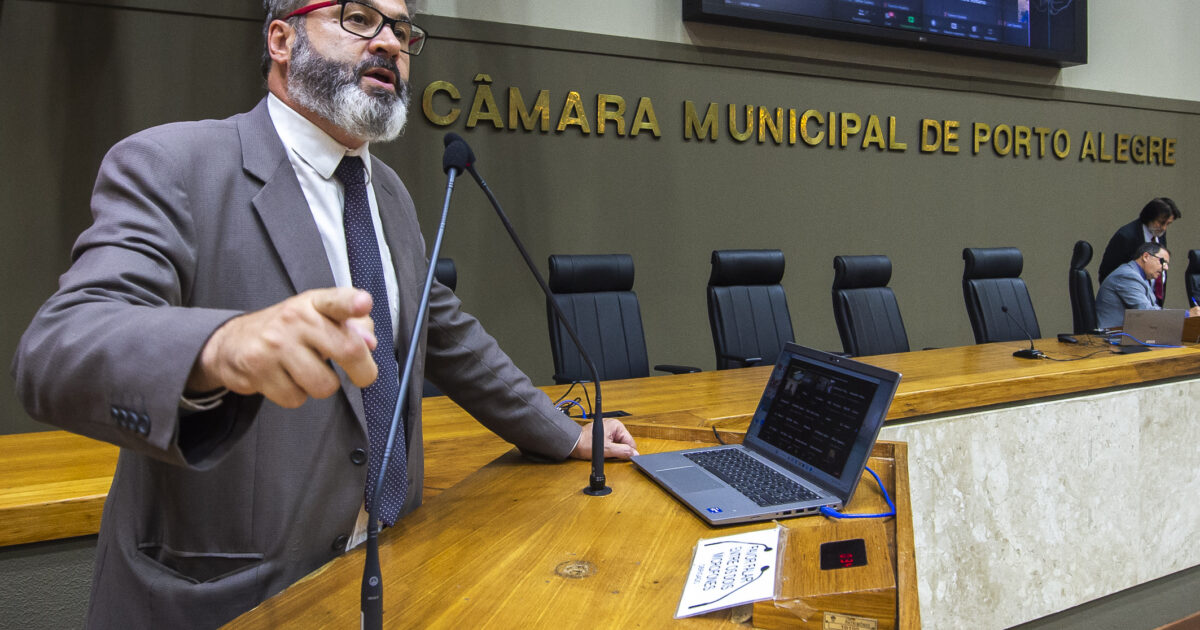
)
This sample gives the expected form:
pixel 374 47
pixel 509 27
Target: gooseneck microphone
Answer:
pixel 455 159
pixel 1026 353
pixel 596 485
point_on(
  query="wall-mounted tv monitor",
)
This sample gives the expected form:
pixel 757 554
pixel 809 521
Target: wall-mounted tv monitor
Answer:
pixel 1052 32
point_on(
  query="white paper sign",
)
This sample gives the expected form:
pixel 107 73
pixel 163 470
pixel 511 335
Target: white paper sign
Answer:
pixel 730 571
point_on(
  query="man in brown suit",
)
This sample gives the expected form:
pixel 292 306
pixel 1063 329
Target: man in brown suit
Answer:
pixel 209 327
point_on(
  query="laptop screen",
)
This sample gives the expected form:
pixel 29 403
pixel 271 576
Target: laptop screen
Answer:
pixel 821 413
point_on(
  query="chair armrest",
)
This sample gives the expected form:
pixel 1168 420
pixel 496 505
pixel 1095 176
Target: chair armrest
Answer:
pixel 677 369
pixel 745 361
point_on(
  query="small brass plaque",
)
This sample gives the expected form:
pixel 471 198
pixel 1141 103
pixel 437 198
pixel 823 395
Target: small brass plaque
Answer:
pixel 834 621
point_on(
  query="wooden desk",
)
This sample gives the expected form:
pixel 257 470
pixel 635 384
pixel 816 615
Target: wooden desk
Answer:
pixel 498 550
pixel 53 484
pixel 935 381
pixel 1191 330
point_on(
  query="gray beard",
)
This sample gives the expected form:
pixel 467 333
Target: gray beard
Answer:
pixel 331 91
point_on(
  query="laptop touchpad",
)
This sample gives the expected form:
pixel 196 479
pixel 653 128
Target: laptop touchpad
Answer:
pixel 689 479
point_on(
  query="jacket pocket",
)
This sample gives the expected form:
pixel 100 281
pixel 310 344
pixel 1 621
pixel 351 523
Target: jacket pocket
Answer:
pixel 198 567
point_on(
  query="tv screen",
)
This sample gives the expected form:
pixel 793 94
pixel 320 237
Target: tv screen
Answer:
pixel 1052 32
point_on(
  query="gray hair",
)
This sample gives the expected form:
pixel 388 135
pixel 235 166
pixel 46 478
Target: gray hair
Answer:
pixel 276 9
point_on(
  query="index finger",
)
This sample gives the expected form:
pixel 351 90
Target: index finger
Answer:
pixel 341 303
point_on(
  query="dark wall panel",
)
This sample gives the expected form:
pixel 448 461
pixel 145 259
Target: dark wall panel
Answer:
pixel 78 78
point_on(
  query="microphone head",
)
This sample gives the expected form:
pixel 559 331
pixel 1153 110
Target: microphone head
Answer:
pixel 457 156
pixel 1003 308
pixel 453 138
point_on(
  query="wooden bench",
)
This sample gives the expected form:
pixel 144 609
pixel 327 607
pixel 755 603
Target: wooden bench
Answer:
pixel 52 485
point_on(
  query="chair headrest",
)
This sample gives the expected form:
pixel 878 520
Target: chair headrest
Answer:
pixel 858 272
pixel 1082 255
pixel 746 266
pixel 992 262
pixel 1193 261
pixel 591 273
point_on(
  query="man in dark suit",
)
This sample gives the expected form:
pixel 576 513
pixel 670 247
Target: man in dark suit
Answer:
pixel 214 326
pixel 1150 227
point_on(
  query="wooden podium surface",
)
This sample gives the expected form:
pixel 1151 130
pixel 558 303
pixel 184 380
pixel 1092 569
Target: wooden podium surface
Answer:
pixel 53 484
pixel 518 544
pixel 934 381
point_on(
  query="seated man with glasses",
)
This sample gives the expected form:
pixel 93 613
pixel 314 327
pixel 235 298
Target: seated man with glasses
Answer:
pixel 234 320
pixel 1131 285
pixel 1150 227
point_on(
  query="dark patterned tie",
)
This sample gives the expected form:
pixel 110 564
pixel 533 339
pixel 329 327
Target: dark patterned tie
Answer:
pixel 380 397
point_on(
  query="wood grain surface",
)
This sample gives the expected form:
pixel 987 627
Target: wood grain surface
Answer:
pixel 517 544
pixel 53 484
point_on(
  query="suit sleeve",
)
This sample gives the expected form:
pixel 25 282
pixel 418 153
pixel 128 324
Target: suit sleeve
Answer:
pixel 107 356
pixel 1120 249
pixel 1111 259
pixel 467 363
pixel 1132 292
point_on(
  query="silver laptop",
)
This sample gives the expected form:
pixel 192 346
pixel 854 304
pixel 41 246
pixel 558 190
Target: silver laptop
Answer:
pixel 806 446
pixel 1152 327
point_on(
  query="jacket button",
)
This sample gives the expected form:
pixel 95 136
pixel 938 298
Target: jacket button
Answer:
pixel 358 456
pixel 143 424
pixel 339 543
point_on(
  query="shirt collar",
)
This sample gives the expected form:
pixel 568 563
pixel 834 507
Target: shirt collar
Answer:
pixel 313 146
pixel 1147 236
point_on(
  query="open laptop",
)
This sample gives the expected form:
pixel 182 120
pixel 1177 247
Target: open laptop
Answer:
pixel 812 433
pixel 1152 327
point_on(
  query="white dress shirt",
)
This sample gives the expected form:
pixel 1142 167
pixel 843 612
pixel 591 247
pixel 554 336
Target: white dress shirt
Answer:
pixel 315 156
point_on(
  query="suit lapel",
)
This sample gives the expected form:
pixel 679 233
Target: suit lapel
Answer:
pixel 289 223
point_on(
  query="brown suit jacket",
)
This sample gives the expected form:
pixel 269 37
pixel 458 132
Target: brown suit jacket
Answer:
pixel 211 513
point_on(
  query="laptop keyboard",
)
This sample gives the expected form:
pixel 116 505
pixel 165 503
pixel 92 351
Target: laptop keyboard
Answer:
pixel 751 477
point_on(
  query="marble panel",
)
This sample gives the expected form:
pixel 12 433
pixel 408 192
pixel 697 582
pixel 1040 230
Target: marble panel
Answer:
pixel 1026 510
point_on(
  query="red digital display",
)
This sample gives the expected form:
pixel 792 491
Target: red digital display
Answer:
pixel 843 554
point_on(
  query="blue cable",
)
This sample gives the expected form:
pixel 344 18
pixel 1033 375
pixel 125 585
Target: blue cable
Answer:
pixel 832 513
pixel 1148 345
pixel 568 404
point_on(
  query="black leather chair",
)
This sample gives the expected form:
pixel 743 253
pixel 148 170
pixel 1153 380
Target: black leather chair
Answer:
pixel 1083 295
pixel 865 308
pixel 991 283
pixel 1192 277
pixel 747 308
pixel 595 293
pixel 446 273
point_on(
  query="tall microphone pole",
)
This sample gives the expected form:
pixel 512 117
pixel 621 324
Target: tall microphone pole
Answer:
pixel 1024 353
pixel 596 483
pixel 454 161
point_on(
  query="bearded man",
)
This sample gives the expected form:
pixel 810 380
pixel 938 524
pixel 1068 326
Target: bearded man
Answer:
pixel 232 320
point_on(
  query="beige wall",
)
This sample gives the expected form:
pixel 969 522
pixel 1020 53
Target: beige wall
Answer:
pixel 1135 47
pixel 79 78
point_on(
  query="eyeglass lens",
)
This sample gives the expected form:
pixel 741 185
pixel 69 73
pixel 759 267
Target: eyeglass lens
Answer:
pixel 366 21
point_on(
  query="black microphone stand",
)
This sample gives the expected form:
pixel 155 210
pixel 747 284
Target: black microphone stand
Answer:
pixel 596 484
pixel 1024 353
pixel 372 584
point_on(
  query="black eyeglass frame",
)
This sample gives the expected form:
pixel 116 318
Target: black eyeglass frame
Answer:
pixel 414 42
